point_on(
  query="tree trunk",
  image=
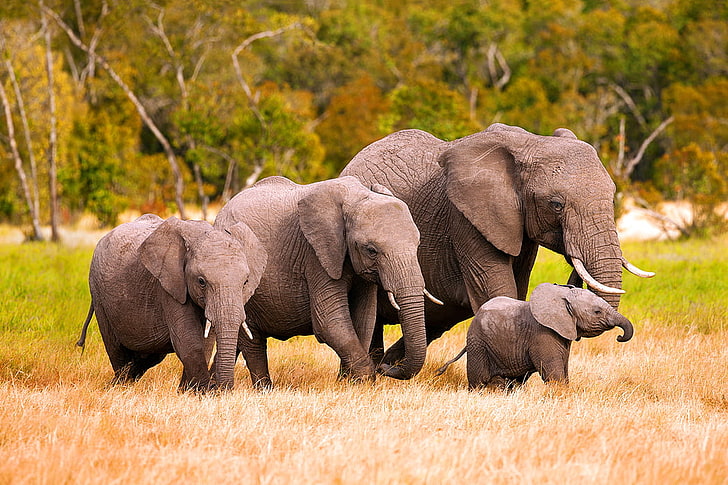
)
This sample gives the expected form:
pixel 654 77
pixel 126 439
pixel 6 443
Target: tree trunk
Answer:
pixel 53 132
pixel 37 234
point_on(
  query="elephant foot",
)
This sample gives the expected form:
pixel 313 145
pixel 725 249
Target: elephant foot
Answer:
pixel 264 384
pixel 394 371
pixel 356 374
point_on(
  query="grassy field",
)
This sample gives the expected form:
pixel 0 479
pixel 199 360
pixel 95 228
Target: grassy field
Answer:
pixel 653 410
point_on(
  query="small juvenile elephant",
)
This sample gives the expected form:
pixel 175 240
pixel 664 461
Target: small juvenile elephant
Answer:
pixel 156 284
pixel 508 339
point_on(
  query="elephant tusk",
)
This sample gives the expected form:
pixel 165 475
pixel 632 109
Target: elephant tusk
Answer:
pixel 208 324
pixel 432 298
pixel 392 300
pixel 589 280
pixel 635 270
pixel 247 330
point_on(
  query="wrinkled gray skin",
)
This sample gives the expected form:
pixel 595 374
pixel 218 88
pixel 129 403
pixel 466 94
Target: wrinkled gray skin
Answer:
pixel 330 244
pixel 154 283
pixel 509 339
pixel 483 205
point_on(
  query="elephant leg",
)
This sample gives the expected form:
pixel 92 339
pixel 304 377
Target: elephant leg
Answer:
pixel 552 361
pixel 120 357
pixel 185 331
pixel 363 310
pixel 332 324
pixel 478 367
pixel 376 348
pixel 255 353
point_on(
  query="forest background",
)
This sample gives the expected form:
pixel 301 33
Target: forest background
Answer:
pixel 154 106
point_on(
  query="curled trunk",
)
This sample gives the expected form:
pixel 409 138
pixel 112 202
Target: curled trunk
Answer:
pixel 412 318
pixel 627 328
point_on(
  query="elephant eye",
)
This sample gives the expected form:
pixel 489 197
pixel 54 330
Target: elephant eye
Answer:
pixel 371 251
pixel 598 312
pixel 556 205
pixel 202 281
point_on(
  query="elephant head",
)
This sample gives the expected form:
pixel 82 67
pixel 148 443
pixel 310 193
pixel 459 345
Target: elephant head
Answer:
pixel 218 271
pixel 554 190
pixel 376 231
pixel 574 313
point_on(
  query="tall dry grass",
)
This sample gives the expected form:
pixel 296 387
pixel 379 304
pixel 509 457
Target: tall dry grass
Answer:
pixel 653 410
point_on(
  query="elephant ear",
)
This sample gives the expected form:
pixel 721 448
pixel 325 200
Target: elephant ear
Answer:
pixel 163 255
pixel 482 182
pixel 255 253
pixel 551 307
pixel 321 216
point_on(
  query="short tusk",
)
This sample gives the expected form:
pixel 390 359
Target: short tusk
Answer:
pixel 208 325
pixel 589 280
pixel 635 270
pixel 247 330
pixel 432 298
pixel 392 300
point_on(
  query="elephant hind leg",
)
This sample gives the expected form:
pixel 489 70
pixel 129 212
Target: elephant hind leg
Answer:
pixel 134 366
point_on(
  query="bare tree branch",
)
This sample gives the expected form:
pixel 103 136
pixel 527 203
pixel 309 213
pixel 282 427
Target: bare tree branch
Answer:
pixel 37 234
pixel 171 157
pixel 252 101
pixel 629 102
pixel 632 163
pixel 494 54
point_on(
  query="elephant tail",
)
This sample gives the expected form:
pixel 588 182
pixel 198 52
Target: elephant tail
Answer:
pixel 442 369
pixel 82 340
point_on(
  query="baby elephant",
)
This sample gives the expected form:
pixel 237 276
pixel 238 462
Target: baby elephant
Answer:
pixel 156 284
pixel 508 340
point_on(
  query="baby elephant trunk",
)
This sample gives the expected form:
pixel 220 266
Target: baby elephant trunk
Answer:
pixel 626 326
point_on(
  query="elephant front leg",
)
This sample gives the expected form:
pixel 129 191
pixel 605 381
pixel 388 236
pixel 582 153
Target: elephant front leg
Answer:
pixel 186 334
pixel 255 353
pixel 332 324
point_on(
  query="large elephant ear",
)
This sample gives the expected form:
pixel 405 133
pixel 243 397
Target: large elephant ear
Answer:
pixel 482 182
pixel 163 255
pixel 321 216
pixel 550 306
pixel 255 253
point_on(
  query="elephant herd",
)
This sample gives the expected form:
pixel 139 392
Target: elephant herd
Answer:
pixel 416 231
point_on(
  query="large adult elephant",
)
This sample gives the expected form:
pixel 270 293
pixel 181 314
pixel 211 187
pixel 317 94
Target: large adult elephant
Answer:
pixel 330 244
pixel 483 205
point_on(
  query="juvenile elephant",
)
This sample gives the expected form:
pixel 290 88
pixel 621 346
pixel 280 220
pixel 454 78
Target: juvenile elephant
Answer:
pixel 510 339
pixel 483 205
pixel 329 245
pixel 156 284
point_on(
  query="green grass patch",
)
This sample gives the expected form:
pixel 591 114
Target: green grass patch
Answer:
pixel 44 299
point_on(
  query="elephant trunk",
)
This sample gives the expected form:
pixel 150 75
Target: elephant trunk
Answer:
pixel 404 282
pixel 227 345
pixel 411 302
pixel 597 247
pixel 626 326
pixel 226 320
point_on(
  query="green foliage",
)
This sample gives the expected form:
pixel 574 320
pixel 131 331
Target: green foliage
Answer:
pixel 341 74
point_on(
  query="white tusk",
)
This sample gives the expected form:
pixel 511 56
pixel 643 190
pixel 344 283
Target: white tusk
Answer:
pixel 247 330
pixel 208 324
pixel 432 298
pixel 392 300
pixel 635 270
pixel 589 280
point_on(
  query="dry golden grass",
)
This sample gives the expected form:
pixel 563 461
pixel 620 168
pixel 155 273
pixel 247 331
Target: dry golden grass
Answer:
pixel 653 410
